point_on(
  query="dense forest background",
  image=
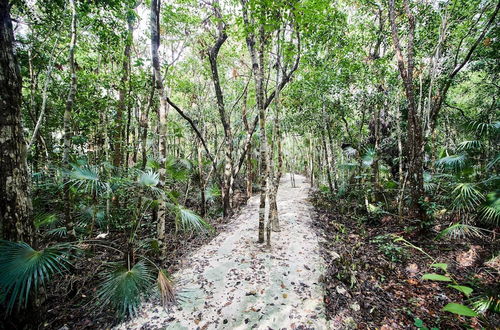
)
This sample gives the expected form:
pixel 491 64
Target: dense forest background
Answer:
pixel 130 132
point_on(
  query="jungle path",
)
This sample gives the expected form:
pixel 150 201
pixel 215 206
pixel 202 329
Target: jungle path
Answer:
pixel 235 283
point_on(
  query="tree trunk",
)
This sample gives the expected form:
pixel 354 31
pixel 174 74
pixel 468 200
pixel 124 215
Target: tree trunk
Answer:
pixel 118 133
pixel 414 133
pixel 67 119
pixel 162 112
pixel 15 202
pixel 225 120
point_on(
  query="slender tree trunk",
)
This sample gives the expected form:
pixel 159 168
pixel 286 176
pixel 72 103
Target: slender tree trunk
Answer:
pixel 248 179
pixel 275 171
pixel 162 112
pixel 414 134
pixel 257 58
pixel 375 167
pixel 15 202
pixel 118 134
pixel 225 120
pixel 44 96
pixel 202 179
pixel 68 119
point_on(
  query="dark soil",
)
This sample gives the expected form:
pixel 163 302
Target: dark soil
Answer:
pixel 377 282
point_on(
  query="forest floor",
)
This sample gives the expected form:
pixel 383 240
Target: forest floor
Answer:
pixel 235 283
pixel 373 282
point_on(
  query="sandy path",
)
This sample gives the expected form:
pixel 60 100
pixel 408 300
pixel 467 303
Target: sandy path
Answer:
pixel 235 283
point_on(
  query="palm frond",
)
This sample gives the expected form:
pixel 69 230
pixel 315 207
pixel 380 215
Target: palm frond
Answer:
pixel 185 219
pixel 150 180
pixel 482 128
pixel 460 230
pixel 490 211
pixel 467 197
pixel 428 184
pixel 58 231
pixel 23 269
pixel 212 193
pixel 45 220
pixel 350 152
pixel 178 169
pixel 369 157
pixel 165 287
pixel 469 145
pixel 492 163
pixel 453 162
pixel 87 178
pixel 486 302
pixel 123 289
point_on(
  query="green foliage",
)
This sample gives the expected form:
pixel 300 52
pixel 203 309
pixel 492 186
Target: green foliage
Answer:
pixel 490 212
pixel 436 277
pixel 459 309
pixel 460 230
pixel 186 219
pixel 123 289
pixel 464 289
pixel 466 197
pixel 394 252
pixel 87 178
pixel 23 270
pixel 453 162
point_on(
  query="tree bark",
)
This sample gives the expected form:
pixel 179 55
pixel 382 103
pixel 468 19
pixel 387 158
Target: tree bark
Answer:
pixel 414 133
pixel 225 120
pixel 162 112
pixel 68 119
pixel 15 203
pixel 118 133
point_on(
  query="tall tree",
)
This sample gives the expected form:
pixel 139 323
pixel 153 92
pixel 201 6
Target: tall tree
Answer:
pixel 68 116
pixel 162 111
pixel 15 202
pixel 122 93
pixel 415 141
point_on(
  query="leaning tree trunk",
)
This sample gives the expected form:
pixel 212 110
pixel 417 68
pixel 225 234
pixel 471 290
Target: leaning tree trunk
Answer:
pixel 15 203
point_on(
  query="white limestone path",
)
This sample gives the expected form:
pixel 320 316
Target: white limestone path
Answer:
pixel 235 283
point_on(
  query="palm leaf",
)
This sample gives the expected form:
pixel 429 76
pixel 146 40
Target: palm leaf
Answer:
pixel 369 157
pixel 23 269
pixel 490 212
pixel 87 178
pixel 212 193
pixel 165 287
pixel 123 289
pixel 45 220
pixel 469 145
pixel 493 162
pixel 467 197
pixel 460 230
pixel 150 180
pixel 454 162
pixel 482 128
pixel 185 219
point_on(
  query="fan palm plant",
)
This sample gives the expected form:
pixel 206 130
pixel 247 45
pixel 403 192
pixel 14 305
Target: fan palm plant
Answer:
pixel 123 289
pixel 23 270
